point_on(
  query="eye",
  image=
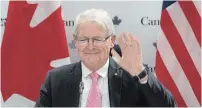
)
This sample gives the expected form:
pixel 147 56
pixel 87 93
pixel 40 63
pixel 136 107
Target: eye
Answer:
pixel 98 40
pixel 84 39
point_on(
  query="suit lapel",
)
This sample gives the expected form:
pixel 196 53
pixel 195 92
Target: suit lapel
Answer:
pixel 72 85
pixel 114 83
pixel 115 79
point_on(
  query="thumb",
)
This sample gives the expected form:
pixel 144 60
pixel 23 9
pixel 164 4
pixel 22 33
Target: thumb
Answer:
pixel 115 55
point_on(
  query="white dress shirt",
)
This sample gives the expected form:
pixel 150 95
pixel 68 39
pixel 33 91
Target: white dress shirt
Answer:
pixel 102 83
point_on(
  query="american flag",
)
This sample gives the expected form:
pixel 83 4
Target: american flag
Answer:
pixel 178 60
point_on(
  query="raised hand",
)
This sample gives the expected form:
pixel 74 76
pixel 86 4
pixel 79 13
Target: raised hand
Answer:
pixel 131 59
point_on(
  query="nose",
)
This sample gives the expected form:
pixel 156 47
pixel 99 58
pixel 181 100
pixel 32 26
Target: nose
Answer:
pixel 90 45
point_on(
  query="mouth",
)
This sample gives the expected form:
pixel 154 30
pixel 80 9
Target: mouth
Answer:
pixel 91 52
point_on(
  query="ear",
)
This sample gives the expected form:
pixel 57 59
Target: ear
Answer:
pixel 74 37
pixel 113 39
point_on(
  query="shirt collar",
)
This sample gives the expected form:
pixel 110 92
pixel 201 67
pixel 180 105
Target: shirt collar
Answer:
pixel 102 71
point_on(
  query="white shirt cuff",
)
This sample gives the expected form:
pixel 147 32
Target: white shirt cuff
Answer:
pixel 143 80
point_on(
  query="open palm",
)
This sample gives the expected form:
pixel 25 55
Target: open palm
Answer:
pixel 131 59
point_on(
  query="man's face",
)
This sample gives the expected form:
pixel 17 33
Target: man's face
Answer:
pixel 93 44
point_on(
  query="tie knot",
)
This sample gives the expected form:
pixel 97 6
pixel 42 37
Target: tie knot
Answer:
pixel 94 76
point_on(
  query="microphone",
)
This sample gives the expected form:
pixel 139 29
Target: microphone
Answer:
pixel 81 88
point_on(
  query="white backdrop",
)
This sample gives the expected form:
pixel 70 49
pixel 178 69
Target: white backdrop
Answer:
pixel 131 13
pixel 138 17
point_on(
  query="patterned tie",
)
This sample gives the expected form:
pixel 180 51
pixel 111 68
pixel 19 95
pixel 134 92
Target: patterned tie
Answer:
pixel 94 97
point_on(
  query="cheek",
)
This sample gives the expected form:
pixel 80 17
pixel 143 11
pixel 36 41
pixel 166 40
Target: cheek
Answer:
pixel 79 49
pixel 105 51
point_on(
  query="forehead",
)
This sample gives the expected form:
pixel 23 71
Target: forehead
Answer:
pixel 89 29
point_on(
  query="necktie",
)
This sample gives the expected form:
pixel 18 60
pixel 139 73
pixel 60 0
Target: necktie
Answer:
pixel 94 97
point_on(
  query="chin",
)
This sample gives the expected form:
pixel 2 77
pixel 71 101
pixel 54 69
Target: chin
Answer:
pixel 91 58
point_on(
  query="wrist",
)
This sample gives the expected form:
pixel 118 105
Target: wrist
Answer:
pixel 142 76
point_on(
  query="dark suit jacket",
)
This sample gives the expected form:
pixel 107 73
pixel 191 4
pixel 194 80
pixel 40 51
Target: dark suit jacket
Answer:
pixel 61 88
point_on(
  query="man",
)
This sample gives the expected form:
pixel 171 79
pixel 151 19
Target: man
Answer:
pixel 97 80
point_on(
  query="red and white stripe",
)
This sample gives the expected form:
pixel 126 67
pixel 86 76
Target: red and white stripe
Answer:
pixel 178 63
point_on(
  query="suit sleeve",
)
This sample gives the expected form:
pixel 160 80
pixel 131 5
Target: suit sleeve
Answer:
pixel 154 94
pixel 44 99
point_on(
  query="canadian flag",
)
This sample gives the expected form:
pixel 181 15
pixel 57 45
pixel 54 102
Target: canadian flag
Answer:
pixel 34 42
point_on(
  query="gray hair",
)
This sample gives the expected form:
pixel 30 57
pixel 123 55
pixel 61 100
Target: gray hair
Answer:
pixel 98 16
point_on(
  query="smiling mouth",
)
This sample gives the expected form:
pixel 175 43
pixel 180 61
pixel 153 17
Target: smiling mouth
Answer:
pixel 92 53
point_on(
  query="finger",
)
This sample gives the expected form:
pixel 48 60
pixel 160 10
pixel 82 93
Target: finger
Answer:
pixel 130 36
pixel 121 41
pixel 115 55
pixel 134 41
pixel 138 46
pixel 131 39
pixel 137 42
pixel 126 38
